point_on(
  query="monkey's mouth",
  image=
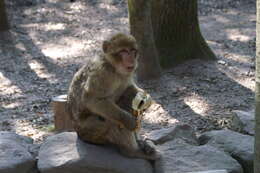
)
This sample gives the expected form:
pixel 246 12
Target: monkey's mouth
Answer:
pixel 130 68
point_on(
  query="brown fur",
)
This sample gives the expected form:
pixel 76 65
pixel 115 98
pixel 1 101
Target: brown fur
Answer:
pixel 99 101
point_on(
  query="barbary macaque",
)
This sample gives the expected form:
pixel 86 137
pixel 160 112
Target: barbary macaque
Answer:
pixel 101 95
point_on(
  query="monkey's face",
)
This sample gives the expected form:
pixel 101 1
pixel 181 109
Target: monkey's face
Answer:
pixel 127 62
pixel 121 52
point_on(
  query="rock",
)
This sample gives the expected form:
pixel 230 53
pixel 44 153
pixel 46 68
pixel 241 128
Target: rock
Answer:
pixel 222 62
pixel 243 122
pixel 28 2
pixel 14 154
pixel 180 157
pixel 239 146
pixel 65 153
pixel 215 171
pixel 182 131
pixel 34 150
pixel 23 140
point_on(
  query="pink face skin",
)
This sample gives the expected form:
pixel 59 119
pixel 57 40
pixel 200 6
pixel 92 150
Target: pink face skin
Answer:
pixel 128 60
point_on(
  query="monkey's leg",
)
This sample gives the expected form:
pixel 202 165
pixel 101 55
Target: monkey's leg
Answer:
pixel 126 141
pixel 93 129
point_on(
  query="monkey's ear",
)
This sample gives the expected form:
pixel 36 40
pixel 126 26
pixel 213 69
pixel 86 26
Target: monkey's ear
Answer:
pixel 105 46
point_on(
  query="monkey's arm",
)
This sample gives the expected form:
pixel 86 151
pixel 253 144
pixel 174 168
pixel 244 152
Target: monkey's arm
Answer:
pixel 99 101
pixel 109 110
pixel 126 99
pixel 133 89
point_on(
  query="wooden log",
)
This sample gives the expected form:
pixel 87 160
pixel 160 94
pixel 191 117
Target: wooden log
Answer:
pixel 62 120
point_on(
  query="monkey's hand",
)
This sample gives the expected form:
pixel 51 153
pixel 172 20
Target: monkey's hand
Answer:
pixel 129 121
pixel 141 101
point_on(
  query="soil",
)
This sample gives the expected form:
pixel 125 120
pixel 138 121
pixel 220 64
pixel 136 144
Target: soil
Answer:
pixel 49 40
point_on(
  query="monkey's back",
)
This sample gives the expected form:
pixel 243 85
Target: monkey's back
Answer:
pixel 76 89
pixel 89 126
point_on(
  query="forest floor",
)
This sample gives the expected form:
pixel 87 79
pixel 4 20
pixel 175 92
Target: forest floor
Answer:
pixel 49 41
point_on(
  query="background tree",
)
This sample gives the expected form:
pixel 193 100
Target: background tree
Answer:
pixel 257 94
pixel 141 29
pixel 177 32
pixel 173 27
pixel 3 17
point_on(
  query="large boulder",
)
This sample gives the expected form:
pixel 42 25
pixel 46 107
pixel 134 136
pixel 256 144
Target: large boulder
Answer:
pixel 14 153
pixel 66 153
pixel 212 171
pixel 182 131
pixel 239 146
pixel 243 122
pixel 178 157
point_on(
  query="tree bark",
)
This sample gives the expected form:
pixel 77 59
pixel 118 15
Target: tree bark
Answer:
pixel 257 94
pixel 3 17
pixel 141 29
pixel 177 33
pixel 62 120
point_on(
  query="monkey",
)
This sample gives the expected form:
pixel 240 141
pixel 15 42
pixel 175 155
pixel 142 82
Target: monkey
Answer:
pixel 99 98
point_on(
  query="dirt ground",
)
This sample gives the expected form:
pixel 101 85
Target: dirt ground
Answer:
pixel 49 41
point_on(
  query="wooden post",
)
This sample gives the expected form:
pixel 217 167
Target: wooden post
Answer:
pixel 62 119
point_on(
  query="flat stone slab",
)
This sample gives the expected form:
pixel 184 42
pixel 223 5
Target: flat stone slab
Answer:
pixel 66 153
pixel 239 146
pixel 14 154
pixel 180 157
pixel 214 171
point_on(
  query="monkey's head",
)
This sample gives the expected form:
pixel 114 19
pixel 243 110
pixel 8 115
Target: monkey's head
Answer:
pixel 121 51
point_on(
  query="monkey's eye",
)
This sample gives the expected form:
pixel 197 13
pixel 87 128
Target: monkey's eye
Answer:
pixel 126 52
pixel 123 52
pixel 134 52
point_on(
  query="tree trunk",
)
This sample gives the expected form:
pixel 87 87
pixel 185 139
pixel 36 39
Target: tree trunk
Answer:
pixel 257 94
pixel 141 29
pixel 177 33
pixel 3 17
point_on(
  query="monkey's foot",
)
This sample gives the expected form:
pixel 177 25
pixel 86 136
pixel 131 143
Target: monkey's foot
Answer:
pixel 147 147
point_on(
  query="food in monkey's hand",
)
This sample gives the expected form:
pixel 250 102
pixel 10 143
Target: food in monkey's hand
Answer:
pixel 140 103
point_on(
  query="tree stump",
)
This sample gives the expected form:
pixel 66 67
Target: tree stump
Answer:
pixel 62 120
